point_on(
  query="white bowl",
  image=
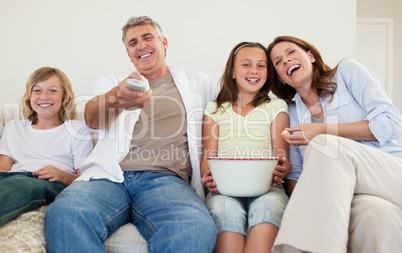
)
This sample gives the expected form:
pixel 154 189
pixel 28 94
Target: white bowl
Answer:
pixel 242 177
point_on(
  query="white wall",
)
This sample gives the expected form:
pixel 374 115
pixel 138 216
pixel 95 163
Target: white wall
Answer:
pixel 388 9
pixel 83 38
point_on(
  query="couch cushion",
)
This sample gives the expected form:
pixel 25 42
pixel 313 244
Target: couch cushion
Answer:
pixel 126 239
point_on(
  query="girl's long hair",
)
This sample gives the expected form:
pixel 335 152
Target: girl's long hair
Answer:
pixel 228 87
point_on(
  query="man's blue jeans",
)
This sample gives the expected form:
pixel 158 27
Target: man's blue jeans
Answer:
pixel 23 192
pixel 166 210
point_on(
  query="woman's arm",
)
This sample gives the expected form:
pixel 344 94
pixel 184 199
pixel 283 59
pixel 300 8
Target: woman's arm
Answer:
pixel 304 133
pixel 384 119
pixel 5 163
pixel 365 111
pixel 210 134
pixel 359 131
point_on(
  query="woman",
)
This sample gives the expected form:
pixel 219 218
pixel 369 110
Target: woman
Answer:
pixel 345 136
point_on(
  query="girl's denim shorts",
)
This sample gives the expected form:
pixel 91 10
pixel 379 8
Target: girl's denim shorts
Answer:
pixel 233 214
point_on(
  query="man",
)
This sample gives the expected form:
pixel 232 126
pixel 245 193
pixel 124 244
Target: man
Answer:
pixel 145 158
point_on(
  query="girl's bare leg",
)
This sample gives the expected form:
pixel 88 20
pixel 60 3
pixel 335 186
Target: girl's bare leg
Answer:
pixel 229 242
pixel 261 238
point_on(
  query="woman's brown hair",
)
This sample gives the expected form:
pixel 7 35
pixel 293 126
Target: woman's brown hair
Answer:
pixel 322 73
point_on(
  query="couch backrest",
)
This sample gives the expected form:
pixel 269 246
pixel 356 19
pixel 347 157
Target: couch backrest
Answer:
pixel 9 112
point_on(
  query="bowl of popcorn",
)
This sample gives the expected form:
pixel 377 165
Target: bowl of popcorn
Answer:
pixel 242 177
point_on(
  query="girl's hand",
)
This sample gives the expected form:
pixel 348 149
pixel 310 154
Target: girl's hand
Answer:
pixel 50 173
pixel 279 172
pixel 209 183
pixel 303 134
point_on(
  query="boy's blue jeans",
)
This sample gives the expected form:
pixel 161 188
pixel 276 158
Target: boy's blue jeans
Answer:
pixel 23 192
pixel 166 210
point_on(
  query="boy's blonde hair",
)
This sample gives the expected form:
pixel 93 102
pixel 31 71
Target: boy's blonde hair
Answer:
pixel 67 110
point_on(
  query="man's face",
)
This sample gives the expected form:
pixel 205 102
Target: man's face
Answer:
pixel 147 51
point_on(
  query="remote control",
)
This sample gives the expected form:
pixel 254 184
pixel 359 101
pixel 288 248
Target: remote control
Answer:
pixel 138 85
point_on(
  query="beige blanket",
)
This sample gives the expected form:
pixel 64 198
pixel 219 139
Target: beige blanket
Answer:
pixel 24 234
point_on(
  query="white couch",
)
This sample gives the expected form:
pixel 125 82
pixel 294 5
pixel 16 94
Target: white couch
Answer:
pixel 26 233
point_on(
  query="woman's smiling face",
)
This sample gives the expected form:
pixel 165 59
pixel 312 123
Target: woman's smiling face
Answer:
pixel 293 64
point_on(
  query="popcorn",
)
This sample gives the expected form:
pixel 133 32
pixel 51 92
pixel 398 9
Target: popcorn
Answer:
pixel 284 132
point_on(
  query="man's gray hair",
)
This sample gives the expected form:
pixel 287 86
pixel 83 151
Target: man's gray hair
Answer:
pixel 143 20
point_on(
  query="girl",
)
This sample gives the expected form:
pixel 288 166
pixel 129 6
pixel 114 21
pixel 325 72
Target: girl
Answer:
pixel 345 147
pixel 41 155
pixel 245 122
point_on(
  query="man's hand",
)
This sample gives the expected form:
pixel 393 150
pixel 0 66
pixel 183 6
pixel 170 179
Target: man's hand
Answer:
pixel 131 99
pixel 102 111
